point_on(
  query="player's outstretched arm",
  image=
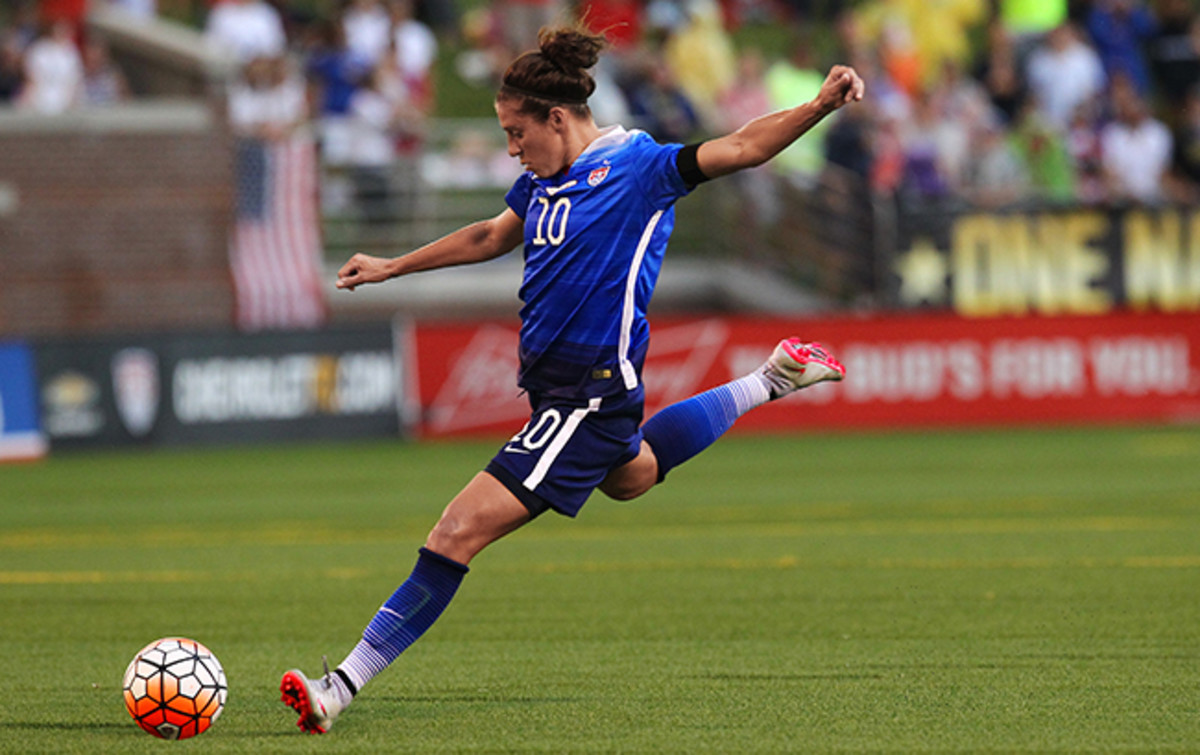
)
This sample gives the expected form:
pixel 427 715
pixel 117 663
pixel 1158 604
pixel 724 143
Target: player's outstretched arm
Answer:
pixel 766 136
pixel 478 242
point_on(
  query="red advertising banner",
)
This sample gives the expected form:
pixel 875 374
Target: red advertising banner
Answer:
pixel 902 371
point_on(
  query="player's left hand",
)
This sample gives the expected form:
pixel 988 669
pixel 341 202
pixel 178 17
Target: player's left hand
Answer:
pixel 842 86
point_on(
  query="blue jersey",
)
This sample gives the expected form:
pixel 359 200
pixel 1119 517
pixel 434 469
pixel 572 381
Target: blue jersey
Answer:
pixel 595 236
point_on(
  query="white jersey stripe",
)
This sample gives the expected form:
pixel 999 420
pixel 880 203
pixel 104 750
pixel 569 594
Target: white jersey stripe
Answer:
pixel 627 309
pixel 559 443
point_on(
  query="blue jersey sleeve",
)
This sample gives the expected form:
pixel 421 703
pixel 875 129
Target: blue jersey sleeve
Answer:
pixel 660 178
pixel 518 196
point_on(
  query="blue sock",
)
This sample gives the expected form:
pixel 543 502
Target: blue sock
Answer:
pixel 682 430
pixel 404 617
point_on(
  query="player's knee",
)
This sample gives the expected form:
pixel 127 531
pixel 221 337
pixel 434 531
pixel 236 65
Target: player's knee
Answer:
pixel 451 535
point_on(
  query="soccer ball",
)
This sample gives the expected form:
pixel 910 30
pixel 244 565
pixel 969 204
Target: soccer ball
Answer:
pixel 175 688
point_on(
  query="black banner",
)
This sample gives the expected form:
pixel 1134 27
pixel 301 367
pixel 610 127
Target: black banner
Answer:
pixel 220 388
pixel 1076 260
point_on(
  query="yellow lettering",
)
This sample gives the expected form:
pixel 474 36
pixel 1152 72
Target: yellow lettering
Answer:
pixel 1085 264
pixel 1014 264
pixel 1041 278
pixel 1191 271
pixel 974 236
pixel 1152 251
pixel 1162 270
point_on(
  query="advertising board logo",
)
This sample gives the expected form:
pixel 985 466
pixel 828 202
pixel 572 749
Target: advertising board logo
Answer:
pixel 72 402
pixel 481 387
pixel 284 387
pixel 478 390
pixel 136 389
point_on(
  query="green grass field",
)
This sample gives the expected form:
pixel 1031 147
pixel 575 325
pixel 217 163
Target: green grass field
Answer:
pixel 1003 591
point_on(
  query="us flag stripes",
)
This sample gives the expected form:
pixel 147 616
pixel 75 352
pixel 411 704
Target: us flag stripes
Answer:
pixel 275 249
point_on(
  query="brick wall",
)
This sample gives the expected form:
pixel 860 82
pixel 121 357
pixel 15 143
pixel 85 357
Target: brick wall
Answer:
pixel 114 220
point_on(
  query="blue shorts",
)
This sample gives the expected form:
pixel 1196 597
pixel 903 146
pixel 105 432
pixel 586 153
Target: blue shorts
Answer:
pixel 567 448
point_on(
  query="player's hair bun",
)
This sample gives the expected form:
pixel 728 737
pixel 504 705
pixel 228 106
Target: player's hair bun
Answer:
pixel 570 50
pixel 555 74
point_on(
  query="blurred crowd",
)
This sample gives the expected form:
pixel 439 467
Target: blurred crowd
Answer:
pixel 994 101
pixel 48 66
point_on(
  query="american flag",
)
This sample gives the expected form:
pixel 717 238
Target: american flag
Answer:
pixel 275 251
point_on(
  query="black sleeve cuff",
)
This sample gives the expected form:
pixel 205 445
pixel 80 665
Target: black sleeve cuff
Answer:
pixel 689 167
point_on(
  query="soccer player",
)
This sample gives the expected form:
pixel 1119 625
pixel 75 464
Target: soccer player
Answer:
pixel 594 209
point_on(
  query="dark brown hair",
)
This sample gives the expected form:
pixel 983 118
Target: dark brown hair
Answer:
pixel 555 74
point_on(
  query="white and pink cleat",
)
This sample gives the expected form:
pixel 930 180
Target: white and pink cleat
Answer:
pixel 795 364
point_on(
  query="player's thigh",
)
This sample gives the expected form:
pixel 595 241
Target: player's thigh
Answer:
pixel 634 477
pixel 483 512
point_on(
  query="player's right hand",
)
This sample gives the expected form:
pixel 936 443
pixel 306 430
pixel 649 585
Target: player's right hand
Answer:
pixel 362 268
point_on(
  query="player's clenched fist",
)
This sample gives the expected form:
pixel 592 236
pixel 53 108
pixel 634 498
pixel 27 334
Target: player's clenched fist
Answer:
pixel 842 86
pixel 363 268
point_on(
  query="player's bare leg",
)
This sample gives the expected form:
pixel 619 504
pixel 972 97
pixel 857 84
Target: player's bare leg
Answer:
pixel 482 513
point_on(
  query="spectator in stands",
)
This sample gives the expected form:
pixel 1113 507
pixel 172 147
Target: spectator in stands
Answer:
pixel 1174 53
pixel 887 164
pixel 1043 151
pixel 261 111
pixel 755 197
pixel 916 38
pixel 848 143
pixel 23 22
pixel 275 236
pixel 414 49
pixel 371 120
pixel 999 71
pixel 1186 158
pixel 960 97
pixel 995 175
pixel 1120 30
pixel 1063 72
pixel 702 57
pixel 140 9
pixel 268 103
pixel 1028 21
pixel 485 51
pixel 53 72
pixel 246 29
pixel 899 57
pixel 334 72
pixel 660 106
pixel 521 20
pixel 796 79
pixel 382 119
pixel 103 82
pixel 11 67
pixel 925 143
pixel 608 103
pixel 1136 148
pixel 745 97
pixel 1087 158
pixel 368 29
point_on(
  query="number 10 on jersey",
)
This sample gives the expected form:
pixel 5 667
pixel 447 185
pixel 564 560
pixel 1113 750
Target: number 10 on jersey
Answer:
pixel 552 222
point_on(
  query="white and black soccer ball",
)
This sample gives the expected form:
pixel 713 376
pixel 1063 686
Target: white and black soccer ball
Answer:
pixel 175 688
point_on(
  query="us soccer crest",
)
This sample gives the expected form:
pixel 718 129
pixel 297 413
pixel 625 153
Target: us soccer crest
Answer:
pixel 136 389
pixel 597 175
